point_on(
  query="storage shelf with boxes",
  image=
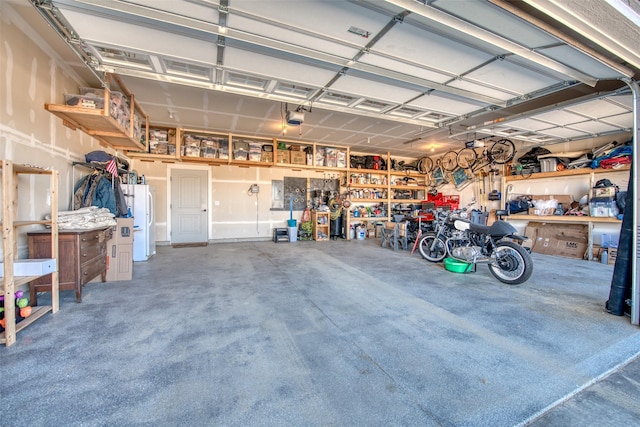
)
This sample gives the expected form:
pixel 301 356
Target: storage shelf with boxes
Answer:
pixel 587 202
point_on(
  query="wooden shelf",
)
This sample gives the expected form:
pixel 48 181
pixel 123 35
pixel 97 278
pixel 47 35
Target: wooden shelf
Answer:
pixel 389 187
pixel 98 123
pixel 36 313
pixel 562 218
pixel 407 187
pixel 10 192
pixel 249 163
pixel 587 174
pixel 373 186
pixel 379 200
pixel 321 225
pixel 152 157
pixel 19 281
pixel 407 200
pixel 376 171
pixel 208 160
pixel 407 173
pixel 567 172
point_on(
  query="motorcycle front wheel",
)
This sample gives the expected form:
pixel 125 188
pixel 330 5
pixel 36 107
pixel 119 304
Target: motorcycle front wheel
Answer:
pixel 513 264
pixel 432 248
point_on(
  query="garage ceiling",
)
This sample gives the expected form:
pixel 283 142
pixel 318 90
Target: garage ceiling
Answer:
pixel 407 76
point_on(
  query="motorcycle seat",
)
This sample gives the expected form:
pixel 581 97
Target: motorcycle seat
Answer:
pixel 479 228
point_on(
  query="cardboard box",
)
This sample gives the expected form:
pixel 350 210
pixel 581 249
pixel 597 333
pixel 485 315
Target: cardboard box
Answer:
pixel 612 254
pixel 571 246
pixel 283 156
pixel 531 232
pixel 568 240
pixel 120 251
pixel 119 261
pixel 298 157
pixel 31 267
pixel 267 157
pixel 122 231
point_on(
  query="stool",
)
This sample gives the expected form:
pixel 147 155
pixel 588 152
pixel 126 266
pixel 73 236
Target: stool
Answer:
pixel 280 235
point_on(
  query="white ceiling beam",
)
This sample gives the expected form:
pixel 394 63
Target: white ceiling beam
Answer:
pixel 471 30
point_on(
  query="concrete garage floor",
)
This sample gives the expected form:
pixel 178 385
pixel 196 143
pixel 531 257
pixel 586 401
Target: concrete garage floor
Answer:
pixel 326 334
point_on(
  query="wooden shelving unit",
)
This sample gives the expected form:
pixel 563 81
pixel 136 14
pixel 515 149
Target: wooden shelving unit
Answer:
pixel 564 173
pixel 321 224
pixel 359 181
pixel 590 221
pixel 9 226
pixel 226 155
pixel 100 123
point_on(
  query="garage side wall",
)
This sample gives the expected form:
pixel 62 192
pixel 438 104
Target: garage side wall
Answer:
pixel 29 78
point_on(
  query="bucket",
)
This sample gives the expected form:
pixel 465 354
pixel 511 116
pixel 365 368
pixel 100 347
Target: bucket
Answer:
pixel 457 266
pixel 293 233
pixel 292 223
pixel 361 233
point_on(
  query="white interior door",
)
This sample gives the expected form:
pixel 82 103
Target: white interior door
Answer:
pixel 188 206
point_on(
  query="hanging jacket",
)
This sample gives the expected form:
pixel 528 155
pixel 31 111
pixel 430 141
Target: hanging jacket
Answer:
pixel 95 190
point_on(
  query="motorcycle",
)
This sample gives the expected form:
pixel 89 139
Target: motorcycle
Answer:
pixel 498 245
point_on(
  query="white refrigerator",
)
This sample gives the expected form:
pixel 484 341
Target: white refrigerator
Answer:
pixel 141 200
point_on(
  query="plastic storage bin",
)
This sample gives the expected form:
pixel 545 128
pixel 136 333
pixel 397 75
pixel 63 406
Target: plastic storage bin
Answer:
pixel 603 207
pixel 84 101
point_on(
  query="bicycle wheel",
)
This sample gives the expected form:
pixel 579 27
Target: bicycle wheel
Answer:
pixel 467 158
pixel 425 165
pixel 449 161
pixel 502 151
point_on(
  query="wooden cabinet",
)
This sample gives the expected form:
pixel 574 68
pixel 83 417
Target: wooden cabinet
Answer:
pixel 10 188
pixel 83 256
pixel 320 225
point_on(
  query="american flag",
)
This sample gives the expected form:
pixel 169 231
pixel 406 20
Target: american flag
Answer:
pixel 112 167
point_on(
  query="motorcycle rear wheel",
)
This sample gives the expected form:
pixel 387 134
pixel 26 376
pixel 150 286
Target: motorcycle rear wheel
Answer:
pixel 432 248
pixel 513 264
